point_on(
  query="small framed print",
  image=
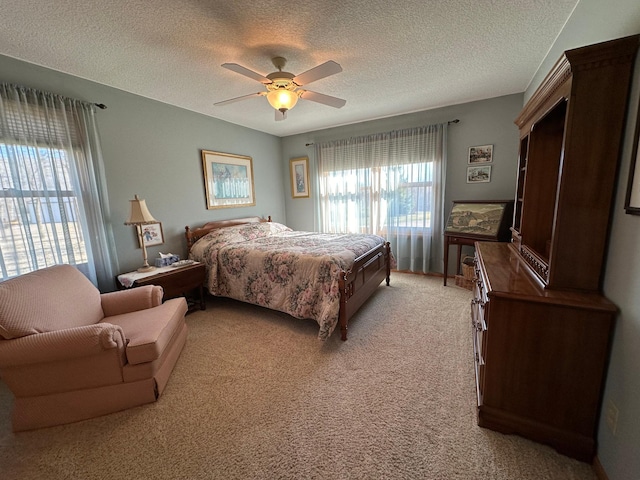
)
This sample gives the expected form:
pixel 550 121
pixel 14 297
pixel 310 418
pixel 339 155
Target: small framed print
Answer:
pixel 299 177
pixel 480 154
pixel 479 174
pixel 151 234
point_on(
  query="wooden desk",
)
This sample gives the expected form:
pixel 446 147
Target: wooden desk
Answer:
pixel 450 239
pixel 476 220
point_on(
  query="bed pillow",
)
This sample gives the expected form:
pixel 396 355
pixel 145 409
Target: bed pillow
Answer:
pixel 235 234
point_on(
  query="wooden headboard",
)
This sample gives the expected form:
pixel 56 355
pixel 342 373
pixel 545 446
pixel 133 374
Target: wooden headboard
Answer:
pixel 193 235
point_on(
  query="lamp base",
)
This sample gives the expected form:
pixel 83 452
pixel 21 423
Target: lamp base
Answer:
pixel 146 268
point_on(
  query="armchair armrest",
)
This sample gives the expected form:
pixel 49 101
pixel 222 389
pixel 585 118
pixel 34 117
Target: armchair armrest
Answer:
pixel 61 344
pixel 131 300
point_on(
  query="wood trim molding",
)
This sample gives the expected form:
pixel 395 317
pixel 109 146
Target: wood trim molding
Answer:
pixel 621 50
pixel 555 79
pixel 598 469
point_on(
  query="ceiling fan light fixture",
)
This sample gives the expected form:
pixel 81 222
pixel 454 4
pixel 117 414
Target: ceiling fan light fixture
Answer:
pixel 283 88
pixel 282 99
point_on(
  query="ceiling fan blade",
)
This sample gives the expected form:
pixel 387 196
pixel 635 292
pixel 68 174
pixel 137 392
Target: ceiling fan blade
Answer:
pixel 324 99
pixel 237 99
pixel 234 67
pixel 316 73
pixel 281 115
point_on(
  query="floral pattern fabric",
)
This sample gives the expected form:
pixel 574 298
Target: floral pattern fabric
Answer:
pixel 270 265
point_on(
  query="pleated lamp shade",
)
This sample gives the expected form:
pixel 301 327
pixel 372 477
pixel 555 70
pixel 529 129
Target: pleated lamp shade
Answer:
pixel 140 214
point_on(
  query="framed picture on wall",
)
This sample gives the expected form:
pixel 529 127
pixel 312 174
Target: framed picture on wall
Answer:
pixel 151 234
pixel 299 170
pixel 479 174
pixel 632 201
pixel 228 180
pixel 480 154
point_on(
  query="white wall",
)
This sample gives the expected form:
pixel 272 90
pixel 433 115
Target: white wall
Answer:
pixel 594 21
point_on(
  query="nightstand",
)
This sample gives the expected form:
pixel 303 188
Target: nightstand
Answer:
pixel 175 281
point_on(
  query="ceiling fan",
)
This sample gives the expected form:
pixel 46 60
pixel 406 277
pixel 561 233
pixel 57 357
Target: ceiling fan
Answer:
pixel 283 88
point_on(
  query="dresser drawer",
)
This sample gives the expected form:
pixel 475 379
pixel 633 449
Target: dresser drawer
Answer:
pixel 479 328
pixel 479 308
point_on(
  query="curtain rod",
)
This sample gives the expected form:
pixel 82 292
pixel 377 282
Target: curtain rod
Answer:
pixel 101 106
pixel 456 120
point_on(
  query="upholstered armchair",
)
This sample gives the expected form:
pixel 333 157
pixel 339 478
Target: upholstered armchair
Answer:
pixel 69 353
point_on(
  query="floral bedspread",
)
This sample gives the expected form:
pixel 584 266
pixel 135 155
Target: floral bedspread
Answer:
pixel 269 264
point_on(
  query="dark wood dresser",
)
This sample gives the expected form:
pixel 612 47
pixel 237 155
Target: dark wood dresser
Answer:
pixel 541 325
pixel 540 354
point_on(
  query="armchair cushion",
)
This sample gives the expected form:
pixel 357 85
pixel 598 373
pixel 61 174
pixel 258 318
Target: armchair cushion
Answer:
pixel 53 298
pixel 148 332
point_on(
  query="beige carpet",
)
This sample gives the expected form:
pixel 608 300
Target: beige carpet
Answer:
pixel 256 396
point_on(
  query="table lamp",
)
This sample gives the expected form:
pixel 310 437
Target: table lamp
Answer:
pixel 139 216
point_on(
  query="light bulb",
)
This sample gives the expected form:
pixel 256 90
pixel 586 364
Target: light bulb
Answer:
pixel 282 99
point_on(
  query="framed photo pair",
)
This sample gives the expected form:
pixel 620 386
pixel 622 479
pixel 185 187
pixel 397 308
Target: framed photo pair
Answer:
pixel 478 171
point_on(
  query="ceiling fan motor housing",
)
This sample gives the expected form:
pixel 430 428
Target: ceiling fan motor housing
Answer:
pixel 281 80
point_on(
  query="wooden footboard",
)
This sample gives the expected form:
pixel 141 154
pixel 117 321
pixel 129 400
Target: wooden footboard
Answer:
pixel 357 284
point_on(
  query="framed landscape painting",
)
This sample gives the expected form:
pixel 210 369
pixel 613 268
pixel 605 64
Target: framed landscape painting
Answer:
pixel 228 180
pixel 480 154
pixel 481 218
pixel 479 174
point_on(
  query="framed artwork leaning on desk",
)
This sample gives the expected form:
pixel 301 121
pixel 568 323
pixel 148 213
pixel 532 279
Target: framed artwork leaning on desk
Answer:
pixel 481 218
pixel 476 220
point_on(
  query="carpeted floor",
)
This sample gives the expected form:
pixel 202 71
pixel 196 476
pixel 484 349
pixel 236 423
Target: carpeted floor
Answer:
pixel 255 395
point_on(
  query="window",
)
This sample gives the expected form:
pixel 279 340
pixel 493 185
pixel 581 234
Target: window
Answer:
pixel 410 200
pixel 401 195
pixel 53 204
pixel 39 211
pixel 386 184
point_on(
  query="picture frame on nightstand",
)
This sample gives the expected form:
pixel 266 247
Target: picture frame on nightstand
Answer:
pixel 151 234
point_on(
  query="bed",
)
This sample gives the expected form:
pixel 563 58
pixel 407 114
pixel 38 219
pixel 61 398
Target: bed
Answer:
pixel 319 276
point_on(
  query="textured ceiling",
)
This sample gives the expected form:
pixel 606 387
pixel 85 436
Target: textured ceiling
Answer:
pixel 397 57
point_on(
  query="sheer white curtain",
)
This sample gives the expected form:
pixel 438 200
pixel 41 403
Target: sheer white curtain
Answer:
pixel 53 197
pixel 390 184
